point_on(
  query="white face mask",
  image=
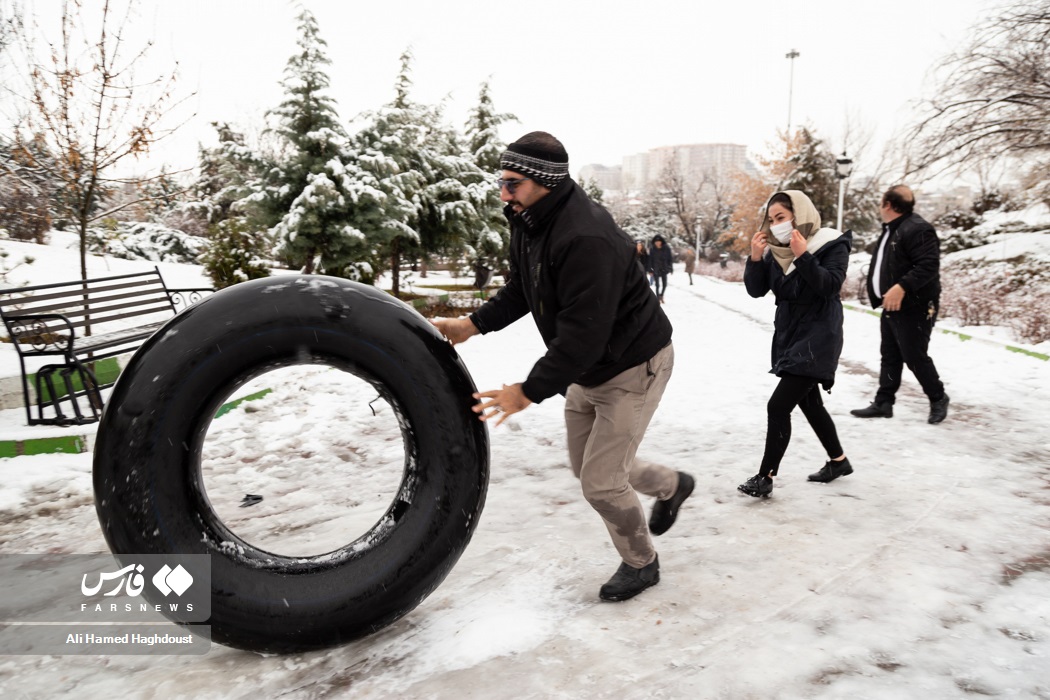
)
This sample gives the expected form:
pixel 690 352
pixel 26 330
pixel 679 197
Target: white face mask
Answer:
pixel 783 231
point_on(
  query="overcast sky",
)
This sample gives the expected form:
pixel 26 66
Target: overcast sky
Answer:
pixel 608 78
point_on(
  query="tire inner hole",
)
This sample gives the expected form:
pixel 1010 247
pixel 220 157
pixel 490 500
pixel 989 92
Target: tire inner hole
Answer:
pixel 303 460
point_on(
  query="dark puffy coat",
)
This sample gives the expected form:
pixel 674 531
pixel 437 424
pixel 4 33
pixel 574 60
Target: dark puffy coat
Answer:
pixel 642 258
pixel 660 261
pixel 575 270
pixel 913 260
pixel 807 331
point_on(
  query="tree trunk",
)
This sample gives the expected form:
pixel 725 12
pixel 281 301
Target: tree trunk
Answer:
pixel 423 268
pixel 395 268
pixel 82 230
pixel 308 268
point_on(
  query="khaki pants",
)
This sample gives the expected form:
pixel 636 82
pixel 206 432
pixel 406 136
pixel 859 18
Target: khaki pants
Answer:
pixel 605 425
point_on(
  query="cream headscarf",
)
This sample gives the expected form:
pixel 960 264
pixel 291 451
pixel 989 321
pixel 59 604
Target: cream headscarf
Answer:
pixel 807 221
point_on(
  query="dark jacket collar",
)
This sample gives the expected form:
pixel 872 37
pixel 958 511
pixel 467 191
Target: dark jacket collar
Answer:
pixel 895 224
pixel 539 214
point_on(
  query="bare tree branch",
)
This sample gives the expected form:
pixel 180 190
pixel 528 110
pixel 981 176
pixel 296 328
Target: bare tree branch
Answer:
pixel 993 101
pixel 89 108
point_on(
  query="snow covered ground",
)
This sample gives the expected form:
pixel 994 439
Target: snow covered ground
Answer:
pixel 924 574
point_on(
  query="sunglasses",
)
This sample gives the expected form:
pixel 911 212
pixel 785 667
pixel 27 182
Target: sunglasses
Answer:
pixel 511 184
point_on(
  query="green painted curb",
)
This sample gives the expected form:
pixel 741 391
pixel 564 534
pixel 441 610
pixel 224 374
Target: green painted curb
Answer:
pixel 870 312
pixel 78 444
pixel 962 336
pixel 106 371
pixel 69 444
pixel 227 407
pixel 1030 353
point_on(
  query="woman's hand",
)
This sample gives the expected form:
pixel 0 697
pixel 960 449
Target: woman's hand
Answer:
pixel 758 246
pixel 798 243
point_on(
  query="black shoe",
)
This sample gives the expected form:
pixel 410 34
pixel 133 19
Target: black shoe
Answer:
pixel 832 470
pixel 665 512
pixel 756 486
pixel 938 410
pixel 875 410
pixel 628 581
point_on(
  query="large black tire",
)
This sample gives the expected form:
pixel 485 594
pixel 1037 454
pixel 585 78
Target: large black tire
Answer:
pixel 149 493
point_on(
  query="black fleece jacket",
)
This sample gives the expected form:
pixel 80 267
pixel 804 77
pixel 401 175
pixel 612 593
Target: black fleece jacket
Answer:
pixel 912 260
pixel 576 272
pixel 807 329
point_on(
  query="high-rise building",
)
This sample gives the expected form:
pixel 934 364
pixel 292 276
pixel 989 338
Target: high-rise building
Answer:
pixel 641 170
pixel 692 160
pixel 608 177
pixel 635 171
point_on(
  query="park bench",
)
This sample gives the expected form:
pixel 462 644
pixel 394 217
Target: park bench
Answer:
pixel 83 324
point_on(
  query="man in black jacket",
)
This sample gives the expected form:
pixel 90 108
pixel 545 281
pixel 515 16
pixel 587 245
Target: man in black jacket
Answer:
pixel 608 348
pixel 904 278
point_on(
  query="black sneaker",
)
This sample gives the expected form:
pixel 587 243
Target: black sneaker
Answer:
pixel 832 470
pixel 757 486
pixel 665 512
pixel 628 581
pixel 938 410
pixel 875 410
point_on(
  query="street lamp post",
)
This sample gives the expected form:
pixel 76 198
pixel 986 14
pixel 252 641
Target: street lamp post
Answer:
pixel 844 167
pixel 791 55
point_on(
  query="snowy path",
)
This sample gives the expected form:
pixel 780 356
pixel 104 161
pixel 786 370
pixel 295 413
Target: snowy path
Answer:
pixel 926 573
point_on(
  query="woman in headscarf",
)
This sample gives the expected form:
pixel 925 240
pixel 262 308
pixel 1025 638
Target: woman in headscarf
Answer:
pixel 804 266
pixel 642 256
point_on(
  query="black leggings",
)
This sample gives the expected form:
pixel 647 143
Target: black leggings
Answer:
pixel 803 392
pixel 661 283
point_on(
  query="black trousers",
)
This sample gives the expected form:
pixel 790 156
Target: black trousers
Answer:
pixel 803 392
pixel 906 341
pixel 661 283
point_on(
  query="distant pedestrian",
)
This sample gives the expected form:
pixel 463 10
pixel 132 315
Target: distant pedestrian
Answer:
pixel 660 264
pixel 804 266
pixel 904 279
pixel 642 256
pixel 690 264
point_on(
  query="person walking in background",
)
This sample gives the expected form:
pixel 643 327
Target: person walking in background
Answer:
pixel 608 348
pixel 660 264
pixel 904 279
pixel 804 266
pixel 642 256
pixel 690 264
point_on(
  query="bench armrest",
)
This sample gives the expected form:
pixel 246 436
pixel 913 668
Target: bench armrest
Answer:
pixel 42 333
pixel 185 297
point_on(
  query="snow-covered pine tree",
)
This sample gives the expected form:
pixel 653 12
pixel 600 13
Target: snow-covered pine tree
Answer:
pixel 26 189
pixel 240 242
pixel 648 218
pixel 490 243
pixel 226 174
pixel 319 200
pixel 434 190
pixel 237 253
pixel 593 190
pixel 162 193
pixel 813 170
